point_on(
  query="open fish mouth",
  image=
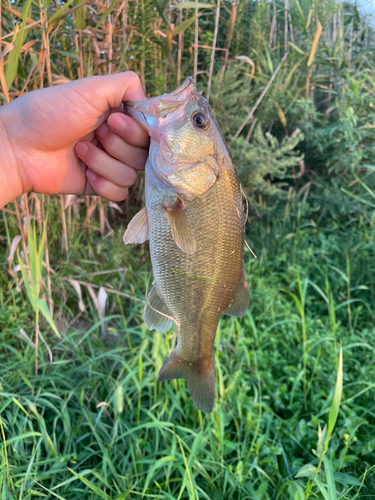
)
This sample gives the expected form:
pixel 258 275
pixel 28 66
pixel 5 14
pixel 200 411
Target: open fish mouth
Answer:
pixel 149 111
pixel 143 113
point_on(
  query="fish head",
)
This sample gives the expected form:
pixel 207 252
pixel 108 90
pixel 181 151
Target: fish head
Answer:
pixel 185 139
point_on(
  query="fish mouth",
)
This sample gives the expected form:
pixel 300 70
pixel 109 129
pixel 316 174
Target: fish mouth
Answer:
pixel 143 113
pixel 148 112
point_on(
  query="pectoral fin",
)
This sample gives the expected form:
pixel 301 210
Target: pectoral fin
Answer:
pixel 137 230
pixel 241 299
pixel 156 314
pixel 180 229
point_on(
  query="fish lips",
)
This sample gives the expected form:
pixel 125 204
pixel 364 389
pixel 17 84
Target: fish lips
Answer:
pixel 143 113
pixel 148 112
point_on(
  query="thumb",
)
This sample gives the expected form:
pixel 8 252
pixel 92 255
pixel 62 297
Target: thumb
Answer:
pixel 111 91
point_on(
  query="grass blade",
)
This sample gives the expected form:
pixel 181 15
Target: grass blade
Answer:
pixel 12 63
pixel 336 400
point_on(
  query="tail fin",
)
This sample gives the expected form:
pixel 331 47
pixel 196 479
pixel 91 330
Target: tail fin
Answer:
pixel 199 374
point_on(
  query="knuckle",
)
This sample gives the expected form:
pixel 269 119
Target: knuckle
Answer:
pixel 111 143
pixel 114 144
pixel 134 78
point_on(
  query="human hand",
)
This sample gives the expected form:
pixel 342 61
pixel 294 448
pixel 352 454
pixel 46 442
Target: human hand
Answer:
pixel 73 139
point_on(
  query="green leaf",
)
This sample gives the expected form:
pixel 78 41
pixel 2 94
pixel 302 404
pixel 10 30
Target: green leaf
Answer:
pixel 330 479
pixel 159 463
pixel 42 424
pixel 295 491
pixel 31 293
pixel 160 8
pixel 106 13
pixel 322 489
pixel 66 53
pixel 301 16
pixel 293 69
pixel 365 186
pixel 56 16
pixel 38 494
pixel 42 245
pixel 307 470
pixel 296 300
pixel 12 62
pixel 297 48
pixel 20 70
pixel 358 198
pixel 91 485
pixel 342 478
pixel 319 290
pixel 79 14
pixel 193 5
pixel 33 259
pixel 119 399
pixel 336 400
pixel 22 436
pixel 42 306
pixel 309 17
pixel 321 444
pixel 55 495
pixel 269 59
pixel 184 25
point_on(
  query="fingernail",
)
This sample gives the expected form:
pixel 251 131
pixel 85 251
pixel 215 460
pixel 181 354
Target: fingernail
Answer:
pixel 81 149
pixel 90 175
pixel 102 130
pixel 117 122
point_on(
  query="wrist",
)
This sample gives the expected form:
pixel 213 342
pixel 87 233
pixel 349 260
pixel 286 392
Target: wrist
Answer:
pixel 11 184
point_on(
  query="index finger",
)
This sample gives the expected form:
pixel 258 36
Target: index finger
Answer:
pixel 129 130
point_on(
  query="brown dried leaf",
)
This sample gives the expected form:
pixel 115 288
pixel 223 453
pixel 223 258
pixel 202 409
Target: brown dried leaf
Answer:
pixel 69 200
pixel 27 46
pixel 13 248
pixel 115 206
pixel 93 296
pixel 77 288
pixel 102 299
pixel 8 47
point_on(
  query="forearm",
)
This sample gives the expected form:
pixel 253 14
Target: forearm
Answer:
pixel 10 180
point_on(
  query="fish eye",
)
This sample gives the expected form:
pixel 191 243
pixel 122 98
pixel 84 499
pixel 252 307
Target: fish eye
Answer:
pixel 200 120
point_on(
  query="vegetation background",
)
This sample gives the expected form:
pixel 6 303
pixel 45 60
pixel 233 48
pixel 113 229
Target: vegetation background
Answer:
pixel 292 83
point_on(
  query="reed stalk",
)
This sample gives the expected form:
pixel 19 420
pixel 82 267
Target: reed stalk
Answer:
pixel 213 51
pixel 179 50
pixel 196 41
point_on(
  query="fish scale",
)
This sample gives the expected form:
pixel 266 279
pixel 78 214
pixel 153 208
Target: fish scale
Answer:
pixel 195 223
pixel 218 256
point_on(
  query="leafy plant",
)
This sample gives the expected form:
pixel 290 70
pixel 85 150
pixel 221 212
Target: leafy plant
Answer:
pixel 33 282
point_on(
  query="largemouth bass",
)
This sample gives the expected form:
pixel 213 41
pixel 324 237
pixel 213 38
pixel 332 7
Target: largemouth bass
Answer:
pixel 195 222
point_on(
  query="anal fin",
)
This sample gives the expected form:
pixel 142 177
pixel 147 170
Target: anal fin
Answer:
pixel 137 230
pixel 199 375
pixel 180 229
pixel 156 314
pixel 241 299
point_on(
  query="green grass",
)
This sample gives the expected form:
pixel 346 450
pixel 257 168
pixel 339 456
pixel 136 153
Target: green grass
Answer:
pixel 95 424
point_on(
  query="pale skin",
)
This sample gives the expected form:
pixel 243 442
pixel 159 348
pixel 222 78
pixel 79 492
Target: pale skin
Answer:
pixel 73 139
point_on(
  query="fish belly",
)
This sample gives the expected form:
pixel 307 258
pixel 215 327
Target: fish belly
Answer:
pixel 198 288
